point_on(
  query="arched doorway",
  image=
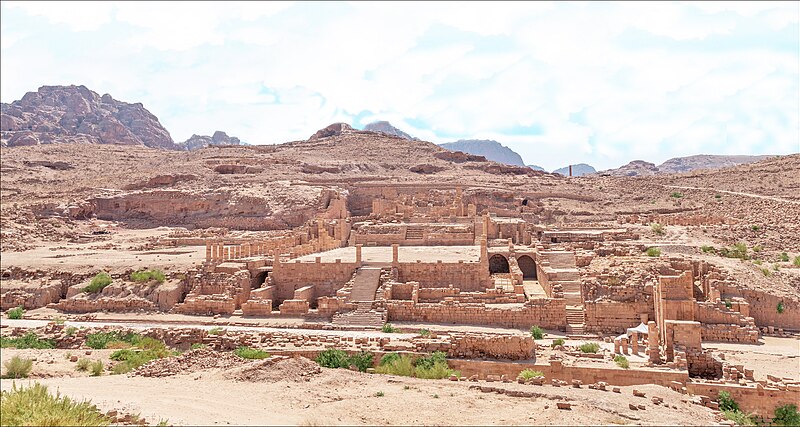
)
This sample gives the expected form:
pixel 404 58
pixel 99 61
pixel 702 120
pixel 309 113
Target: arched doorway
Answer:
pixel 498 264
pixel 528 267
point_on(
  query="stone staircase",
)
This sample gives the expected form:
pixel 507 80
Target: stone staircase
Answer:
pixel 365 283
pixel 414 233
pixel 576 313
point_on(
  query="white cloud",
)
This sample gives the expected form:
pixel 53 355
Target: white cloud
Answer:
pixel 605 83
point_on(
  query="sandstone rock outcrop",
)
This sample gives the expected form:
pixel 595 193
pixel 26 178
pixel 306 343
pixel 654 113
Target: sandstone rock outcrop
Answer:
pixel 75 114
pixel 334 129
pixel 387 128
pixel 197 142
pixel 492 150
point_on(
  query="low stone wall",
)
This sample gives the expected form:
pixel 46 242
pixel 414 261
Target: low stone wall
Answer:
pixel 546 313
pixel 615 317
pixel 32 295
pixel 467 276
pixel 511 347
pixel 756 399
pixel 82 304
pixel 326 277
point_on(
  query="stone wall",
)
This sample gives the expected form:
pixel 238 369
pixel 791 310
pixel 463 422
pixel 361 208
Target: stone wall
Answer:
pixel 327 277
pixel 615 317
pixel 467 276
pixel 546 313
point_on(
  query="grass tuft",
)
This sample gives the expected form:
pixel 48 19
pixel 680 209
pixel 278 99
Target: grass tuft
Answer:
pixel 34 405
pixel 15 313
pixel 29 340
pixel 557 342
pixel 388 328
pixel 589 347
pixel 537 333
pixel 99 281
pixel 251 353
pixel 530 373
pixel 653 252
pixel 621 361
pixel 144 276
pixel 18 367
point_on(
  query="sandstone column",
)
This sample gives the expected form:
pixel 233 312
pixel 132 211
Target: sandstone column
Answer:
pixel 358 255
pixel 395 254
pixel 208 251
pixel 635 343
pixel 652 342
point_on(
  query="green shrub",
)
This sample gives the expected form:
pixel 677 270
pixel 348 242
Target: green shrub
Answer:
pixel 755 228
pixel 433 366
pixel 99 281
pixel 589 347
pixel 707 249
pixel 786 415
pixel 59 320
pixel 333 358
pixel 82 365
pixel 784 257
pixel 100 340
pixel 251 353
pixel 215 330
pixel 739 418
pixel 120 369
pixel 718 196
pixel 537 333
pixel 653 252
pixel 96 368
pixel 779 308
pixel 198 345
pixel 395 364
pixel 726 402
pixel 361 360
pixel 15 313
pixel 557 342
pixel 29 340
pixel 657 228
pixel 388 328
pixel 428 362
pixel 144 276
pixel 70 330
pixel 621 361
pixel 757 248
pixel 776 267
pixel 530 373
pixel 728 304
pixel 757 262
pixel 18 367
pixel 130 359
pixel 34 405
pixel 676 195
pixel 738 250
pixel 424 332
pixel 766 272
pixel 379 394
pixel 796 261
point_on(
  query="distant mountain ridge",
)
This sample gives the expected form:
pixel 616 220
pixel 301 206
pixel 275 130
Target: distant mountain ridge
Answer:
pixel 197 142
pixel 682 164
pixel 577 170
pixel 387 128
pixel 490 149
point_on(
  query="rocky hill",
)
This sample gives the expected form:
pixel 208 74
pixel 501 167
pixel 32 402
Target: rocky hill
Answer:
pixel 682 164
pixel 577 170
pixel 387 128
pixel 197 142
pixel 75 114
pixel 536 168
pixel 492 150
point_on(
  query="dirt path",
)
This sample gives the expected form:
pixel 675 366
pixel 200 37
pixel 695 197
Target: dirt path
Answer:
pixel 737 193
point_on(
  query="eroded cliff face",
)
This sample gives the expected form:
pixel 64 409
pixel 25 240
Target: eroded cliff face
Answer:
pixel 75 114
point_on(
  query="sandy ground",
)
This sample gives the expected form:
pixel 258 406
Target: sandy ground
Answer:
pixel 340 397
pixel 383 255
pixel 775 356
pixel 113 252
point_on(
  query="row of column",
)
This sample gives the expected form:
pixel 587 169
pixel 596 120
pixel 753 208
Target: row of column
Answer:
pixel 219 252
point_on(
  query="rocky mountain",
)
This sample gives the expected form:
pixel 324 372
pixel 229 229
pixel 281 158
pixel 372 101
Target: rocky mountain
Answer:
pixel 492 150
pixel 682 164
pixel 75 114
pixel 387 128
pixel 536 168
pixel 705 161
pixel 334 129
pixel 197 142
pixel 577 170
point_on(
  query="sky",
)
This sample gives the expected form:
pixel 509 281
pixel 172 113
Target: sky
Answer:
pixel 560 83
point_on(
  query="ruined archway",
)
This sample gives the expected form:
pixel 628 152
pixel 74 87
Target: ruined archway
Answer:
pixel 528 267
pixel 498 264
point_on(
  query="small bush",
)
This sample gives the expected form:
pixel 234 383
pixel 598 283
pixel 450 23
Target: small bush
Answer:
pixel 676 195
pixel 424 332
pixel 18 367
pixel 379 394
pixel 776 267
pixel 779 308
pixel 755 228
pixel 707 249
pixel 59 320
pixel 728 304
pixel 537 333
pixel 428 362
pixel 15 313
pixel 100 340
pixel 388 328
pixel 557 342
pixel 99 281
pixel 739 418
pixel 333 358
pixel 70 330
pixel 786 415
pixel 657 228
pixel 621 361
pixel 433 366
pixel 96 368
pixel 198 345
pixel 589 347
pixel 251 353
pixel 361 360
pixel 757 248
pixel 766 272
pixel 395 364
pixel 82 365
pixel 34 405
pixel 718 196
pixel 784 257
pixel 215 331
pixel 29 340
pixel 757 262
pixel 738 250
pixel 726 402
pixel 144 276
pixel 796 261
pixel 653 252
pixel 121 368
pixel 530 373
